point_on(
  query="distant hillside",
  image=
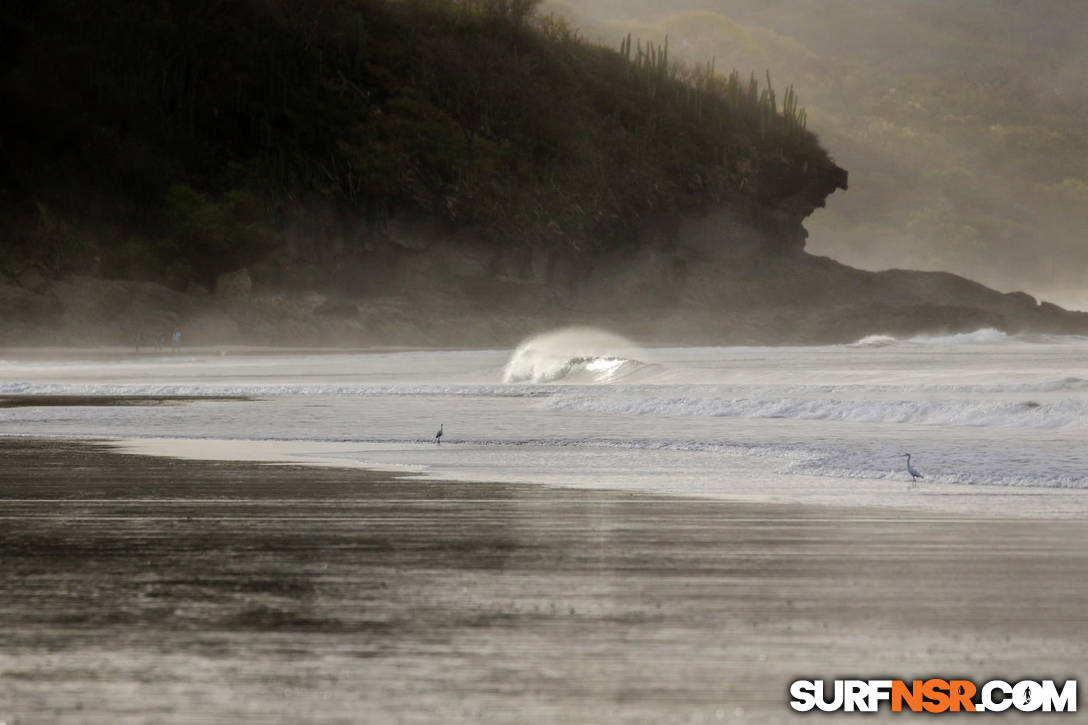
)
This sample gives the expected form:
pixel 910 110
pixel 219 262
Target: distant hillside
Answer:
pixel 173 142
pixel 964 124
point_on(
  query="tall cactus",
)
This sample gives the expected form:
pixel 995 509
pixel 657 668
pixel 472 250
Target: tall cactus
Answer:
pixel 648 64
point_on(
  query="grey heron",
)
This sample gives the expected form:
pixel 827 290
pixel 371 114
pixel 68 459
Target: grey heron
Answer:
pixel 438 435
pixel 914 475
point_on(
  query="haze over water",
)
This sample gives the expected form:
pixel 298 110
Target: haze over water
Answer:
pixel 996 423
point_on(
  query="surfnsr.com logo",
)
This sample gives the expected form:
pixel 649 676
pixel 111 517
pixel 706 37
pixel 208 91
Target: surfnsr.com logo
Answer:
pixel 933 696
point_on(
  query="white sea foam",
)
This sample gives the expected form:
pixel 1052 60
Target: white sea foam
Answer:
pixel 212 390
pixel 1009 414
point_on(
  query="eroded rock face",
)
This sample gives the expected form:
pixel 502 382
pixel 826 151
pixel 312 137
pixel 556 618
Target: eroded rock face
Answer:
pixel 758 299
pixel 736 274
pixel 234 287
pixel 22 315
pixel 789 194
pixel 33 280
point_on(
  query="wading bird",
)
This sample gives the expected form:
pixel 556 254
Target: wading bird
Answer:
pixel 914 475
pixel 438 435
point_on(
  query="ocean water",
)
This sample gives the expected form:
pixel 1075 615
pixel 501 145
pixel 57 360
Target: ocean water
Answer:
pixel 998 424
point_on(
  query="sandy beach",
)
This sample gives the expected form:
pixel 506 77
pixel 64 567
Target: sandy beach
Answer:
pixel 152 590
pixel 543 361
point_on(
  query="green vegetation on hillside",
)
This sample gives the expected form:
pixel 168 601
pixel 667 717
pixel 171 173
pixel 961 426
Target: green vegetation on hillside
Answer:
pixel 175 141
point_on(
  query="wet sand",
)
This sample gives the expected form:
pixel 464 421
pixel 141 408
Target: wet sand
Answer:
pixel 152 590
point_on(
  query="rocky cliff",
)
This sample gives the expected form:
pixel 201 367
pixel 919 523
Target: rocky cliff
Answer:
pixel 358 172
pixel 447 291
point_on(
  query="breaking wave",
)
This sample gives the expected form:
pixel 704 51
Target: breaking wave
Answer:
pixel 875 341
pixel 985 336
pixel 573 355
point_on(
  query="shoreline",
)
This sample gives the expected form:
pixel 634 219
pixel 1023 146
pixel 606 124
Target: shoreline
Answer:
pixel 144 589
pixel 920 499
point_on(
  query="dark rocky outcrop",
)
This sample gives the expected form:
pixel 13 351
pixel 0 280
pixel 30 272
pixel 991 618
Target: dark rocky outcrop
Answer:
pixel 380 172
pixel 659 295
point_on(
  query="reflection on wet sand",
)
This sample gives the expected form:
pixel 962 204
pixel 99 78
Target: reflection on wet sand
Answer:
pixel 138 589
